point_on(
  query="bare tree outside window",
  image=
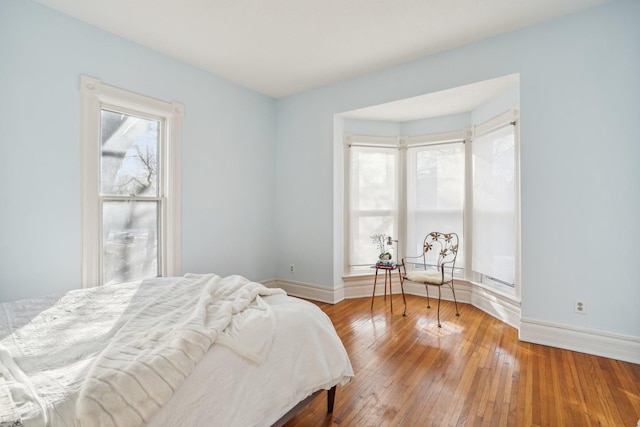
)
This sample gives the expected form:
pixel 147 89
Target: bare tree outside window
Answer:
pixel 129 187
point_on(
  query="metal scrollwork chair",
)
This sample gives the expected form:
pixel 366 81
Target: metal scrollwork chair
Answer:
pixel 437 262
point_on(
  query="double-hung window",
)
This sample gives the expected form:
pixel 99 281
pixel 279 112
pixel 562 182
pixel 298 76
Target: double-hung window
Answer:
pixel 131 206
pixel 374 173
pixel 494 214
pixel 435 191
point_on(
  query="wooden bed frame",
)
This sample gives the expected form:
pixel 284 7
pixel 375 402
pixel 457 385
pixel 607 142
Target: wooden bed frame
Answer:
pixel 331 396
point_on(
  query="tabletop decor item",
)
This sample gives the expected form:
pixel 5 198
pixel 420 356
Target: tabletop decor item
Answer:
pixel 384 256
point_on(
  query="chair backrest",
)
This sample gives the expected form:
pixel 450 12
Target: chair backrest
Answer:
pixel 441 249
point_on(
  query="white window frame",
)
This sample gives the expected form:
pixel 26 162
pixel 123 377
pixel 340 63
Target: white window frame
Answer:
pixel 95 96
pixel 508 118
pixel 390 143
pixel 465 135
pixel 443 138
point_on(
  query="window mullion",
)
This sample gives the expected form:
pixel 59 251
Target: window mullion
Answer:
pixel 467 209
pixel 132 198
pixel 402 201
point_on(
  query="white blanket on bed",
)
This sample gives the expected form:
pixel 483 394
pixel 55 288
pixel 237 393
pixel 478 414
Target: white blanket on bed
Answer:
pixel 49 344
pixel 153 353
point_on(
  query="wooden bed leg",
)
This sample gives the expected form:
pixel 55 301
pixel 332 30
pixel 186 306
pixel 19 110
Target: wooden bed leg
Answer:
pixel 331 397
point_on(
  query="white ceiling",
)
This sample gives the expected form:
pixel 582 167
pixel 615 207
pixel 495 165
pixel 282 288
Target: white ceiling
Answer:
pixel 282 47
pixel 456 100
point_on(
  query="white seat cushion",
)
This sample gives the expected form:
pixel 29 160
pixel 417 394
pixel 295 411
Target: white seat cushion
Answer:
pixel 428 277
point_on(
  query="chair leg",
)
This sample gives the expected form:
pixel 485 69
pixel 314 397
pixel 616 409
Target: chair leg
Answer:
pixel 454 298
pixel 404 299
pixel 428 303
pixel 439 298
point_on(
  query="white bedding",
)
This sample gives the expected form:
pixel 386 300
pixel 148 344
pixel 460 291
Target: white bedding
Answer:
pixel 225 389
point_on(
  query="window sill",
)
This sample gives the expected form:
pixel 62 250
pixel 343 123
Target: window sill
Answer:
pixel 506 294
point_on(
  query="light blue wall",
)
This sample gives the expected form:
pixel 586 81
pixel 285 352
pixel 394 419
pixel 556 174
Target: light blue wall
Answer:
pixel 454 122
pixel 227 170
pixel 501 103
pixel 372 127
pixel 579 78
pixel 580 104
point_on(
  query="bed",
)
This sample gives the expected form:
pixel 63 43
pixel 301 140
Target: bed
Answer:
pixel 197 350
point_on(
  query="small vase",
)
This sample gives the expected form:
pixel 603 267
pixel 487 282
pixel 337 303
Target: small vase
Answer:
pixel 385 261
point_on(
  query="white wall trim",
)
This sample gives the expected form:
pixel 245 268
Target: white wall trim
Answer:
pixel 362 287
pixel 359 287
pixel 497 121
pixel 583 340
pixel 494 303
pixel 91 215
pixel 436 138
pixel 96 95
pixel 307 290
pixel 462 288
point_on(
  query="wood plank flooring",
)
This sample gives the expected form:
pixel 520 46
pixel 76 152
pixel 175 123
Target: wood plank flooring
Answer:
pixel 471 372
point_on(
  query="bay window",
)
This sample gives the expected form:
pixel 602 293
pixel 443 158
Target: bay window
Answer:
pixel 464 182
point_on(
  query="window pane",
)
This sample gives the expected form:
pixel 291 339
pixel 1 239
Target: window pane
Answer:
pixel 365 252
pixel 494 220
pixel 374 178
pixel 373 196
pixel 129 155
pixel 435 194
pixel 130 241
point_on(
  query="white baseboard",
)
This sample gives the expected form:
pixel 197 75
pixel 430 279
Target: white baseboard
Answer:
pixel 463 291
pixel 598 343
pixel 497 305
pixel 361 287
pixel 307 290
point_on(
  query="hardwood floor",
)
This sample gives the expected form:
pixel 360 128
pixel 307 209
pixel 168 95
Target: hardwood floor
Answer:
pixel 471 372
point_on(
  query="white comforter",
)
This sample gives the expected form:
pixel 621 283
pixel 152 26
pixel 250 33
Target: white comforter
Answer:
pixel 46 356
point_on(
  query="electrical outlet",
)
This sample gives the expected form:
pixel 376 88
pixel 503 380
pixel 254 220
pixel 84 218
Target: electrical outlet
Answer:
pixel 291 269
pixel 581 306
